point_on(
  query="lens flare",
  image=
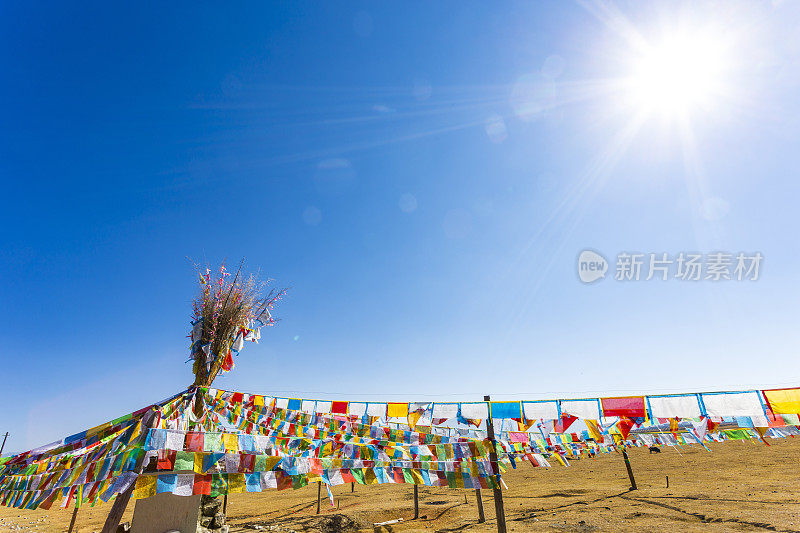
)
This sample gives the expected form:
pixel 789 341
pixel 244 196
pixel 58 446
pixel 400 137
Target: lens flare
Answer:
pixel 681 73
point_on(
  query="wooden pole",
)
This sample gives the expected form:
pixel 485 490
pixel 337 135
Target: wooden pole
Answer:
pixel 225 505
pixel 496 490
pixel 121 501
pixel 416 501
pixel 4 443
pixel 481 516
pixel 319 493
pixel 74 517
pixel 628 466
pixel 352 487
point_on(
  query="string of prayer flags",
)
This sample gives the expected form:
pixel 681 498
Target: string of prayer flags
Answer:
pixel 249 443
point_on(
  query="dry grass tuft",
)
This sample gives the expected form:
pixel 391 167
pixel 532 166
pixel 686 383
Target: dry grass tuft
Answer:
pixel 225 304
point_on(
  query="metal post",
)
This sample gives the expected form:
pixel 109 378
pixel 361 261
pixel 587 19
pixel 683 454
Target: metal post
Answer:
pixel 416 502
pixel 4 443
pixel 628 466
pixel 496 490
pixel 74 517
pixel 319 493
pixel 481 516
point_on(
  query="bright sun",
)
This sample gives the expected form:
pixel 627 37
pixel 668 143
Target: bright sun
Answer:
pixel 679 74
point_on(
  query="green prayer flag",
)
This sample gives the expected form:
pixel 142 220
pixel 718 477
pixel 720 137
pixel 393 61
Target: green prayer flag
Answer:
pixel 184 461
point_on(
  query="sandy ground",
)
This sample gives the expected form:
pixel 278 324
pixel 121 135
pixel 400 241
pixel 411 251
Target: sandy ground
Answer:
pixel 739 486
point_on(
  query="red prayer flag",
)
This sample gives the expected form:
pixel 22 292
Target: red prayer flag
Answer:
pixel 631 406
pixel 166 459
pixel 94 490
pixel 339 408
pixel 284 481
pixel 347 477
pixel 772 420
pixel 193 442
pixel 624 426
pixel 227 364
pixel 247 462
pixel 90 472
pixel 202 484
pixel 564 423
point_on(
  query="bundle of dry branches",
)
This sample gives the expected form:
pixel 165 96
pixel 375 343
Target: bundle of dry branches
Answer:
pixel 228 310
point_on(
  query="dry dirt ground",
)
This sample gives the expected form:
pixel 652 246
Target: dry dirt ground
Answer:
pixel 739 486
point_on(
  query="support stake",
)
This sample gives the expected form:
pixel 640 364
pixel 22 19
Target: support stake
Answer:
pixel 416 502
pixel 4 443
pixel 74 517
pixel 630 470
pixel 497 491
pixel 319 493
pixel 120 503
pixel 481 516
pixel 121 500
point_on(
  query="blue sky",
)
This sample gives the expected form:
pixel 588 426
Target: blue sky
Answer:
pixel 422 175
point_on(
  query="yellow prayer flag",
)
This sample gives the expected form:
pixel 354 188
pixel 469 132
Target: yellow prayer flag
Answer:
pixel 784 401
pixel 271 462
pixel 525 425
pixel 136 431
pixel 594 429
pixel 236 483
pixel 399 410
pixel 418 477
pixel 145 487
pixel 448 450
pixel 198 463
pixel 97 429
pixel 230 442
pixel 413 418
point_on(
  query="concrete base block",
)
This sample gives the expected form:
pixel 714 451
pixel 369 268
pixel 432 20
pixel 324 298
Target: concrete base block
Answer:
pixel 166 512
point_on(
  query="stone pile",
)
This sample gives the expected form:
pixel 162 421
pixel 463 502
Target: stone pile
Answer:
pixel 212 520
